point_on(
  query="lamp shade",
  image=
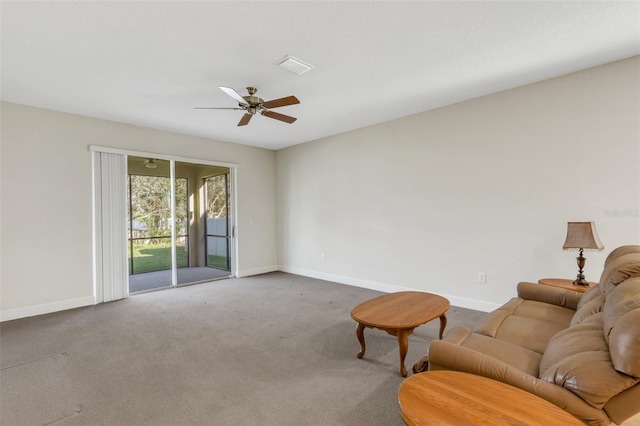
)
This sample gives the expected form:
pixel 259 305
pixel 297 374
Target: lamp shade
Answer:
pixel 582 235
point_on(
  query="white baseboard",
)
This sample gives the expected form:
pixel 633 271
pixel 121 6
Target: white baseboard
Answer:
pixel 45 308
pixel 463 302
pixel 257 271
pixel 371 285
pixel 476 305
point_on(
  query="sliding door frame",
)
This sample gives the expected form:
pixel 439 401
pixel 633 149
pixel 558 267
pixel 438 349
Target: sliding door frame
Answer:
pixel 233 170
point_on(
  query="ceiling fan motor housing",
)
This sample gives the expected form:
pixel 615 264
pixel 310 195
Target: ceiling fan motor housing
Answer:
pixel 255 103
pixel 253 100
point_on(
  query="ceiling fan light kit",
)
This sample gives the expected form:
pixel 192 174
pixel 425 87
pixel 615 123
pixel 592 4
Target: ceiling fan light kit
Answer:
pixel 252 104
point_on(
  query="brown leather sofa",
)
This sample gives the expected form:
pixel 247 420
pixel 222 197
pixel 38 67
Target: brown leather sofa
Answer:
pixel 580 351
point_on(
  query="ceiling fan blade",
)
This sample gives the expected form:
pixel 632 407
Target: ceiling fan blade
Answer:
pixel 245 119
pixel 277 116
pixel 276 103
pixel 237 109
pixel 235 95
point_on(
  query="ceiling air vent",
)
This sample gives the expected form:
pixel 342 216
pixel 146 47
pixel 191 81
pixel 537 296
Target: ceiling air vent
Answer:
pixel 294 65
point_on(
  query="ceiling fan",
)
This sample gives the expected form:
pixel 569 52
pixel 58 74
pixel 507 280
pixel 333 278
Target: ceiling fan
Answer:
pixel 252 104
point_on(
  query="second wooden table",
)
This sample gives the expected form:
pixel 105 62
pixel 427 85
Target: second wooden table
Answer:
pixel 566 284
pixel 398 314
pixel 445 397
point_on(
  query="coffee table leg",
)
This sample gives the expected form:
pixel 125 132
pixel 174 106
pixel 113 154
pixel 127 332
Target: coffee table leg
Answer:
pixel 443 324
pixel 403 344
pixel 360 334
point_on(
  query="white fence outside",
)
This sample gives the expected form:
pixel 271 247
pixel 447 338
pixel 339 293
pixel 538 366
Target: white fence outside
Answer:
pixel 217 246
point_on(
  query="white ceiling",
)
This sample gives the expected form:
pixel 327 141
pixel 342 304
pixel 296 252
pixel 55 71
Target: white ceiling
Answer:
pixel 149 63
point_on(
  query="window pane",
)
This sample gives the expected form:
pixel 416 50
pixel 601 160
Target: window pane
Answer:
pixel 217 253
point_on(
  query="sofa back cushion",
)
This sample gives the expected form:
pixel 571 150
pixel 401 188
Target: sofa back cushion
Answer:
pixel 578 359
pixel 621 251
pixel 619 269
pixel 591 303
pixel 591 294
pixel 574 340
pixel 621 326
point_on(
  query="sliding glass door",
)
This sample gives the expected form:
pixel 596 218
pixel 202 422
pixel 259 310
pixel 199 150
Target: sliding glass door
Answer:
pixel 179 223
pixel 163 206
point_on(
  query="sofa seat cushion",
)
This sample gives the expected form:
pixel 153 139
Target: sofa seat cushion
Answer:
pixel 553 314
pixel 529 333
pixel 526 323
pixel 518 357
pixel 578 359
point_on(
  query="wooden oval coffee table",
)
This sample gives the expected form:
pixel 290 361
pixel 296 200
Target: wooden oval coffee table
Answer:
pixel 398 314
pixel 443 397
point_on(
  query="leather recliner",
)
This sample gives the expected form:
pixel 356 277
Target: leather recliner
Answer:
pixel 580 351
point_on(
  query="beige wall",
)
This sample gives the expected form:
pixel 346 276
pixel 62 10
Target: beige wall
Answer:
pixel 423 202
pixel 428 201
pixel 46 240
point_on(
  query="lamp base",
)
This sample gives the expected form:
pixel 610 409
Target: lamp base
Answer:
pixel 581 280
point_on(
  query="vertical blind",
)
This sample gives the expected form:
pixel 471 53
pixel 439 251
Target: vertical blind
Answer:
pixel 110 226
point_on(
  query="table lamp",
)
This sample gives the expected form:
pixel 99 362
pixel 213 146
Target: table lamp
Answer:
pixel 582 236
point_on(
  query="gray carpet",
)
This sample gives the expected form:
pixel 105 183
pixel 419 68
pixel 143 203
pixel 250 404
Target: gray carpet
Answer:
pixel 274 349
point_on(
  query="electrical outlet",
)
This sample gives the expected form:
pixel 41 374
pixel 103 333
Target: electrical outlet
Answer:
pixel 482 277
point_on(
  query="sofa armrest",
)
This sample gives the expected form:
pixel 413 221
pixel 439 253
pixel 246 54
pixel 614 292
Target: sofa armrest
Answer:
pixel 547 294
pixel 449 356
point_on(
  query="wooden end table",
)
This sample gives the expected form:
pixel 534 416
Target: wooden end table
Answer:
pixel 398 314
pixel 566 284
pixel 443 397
